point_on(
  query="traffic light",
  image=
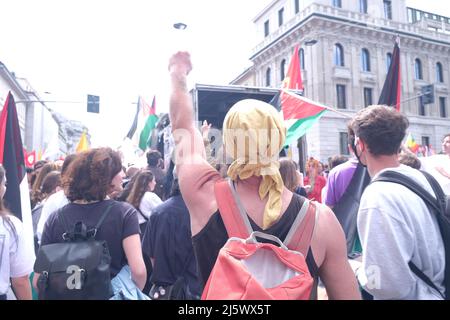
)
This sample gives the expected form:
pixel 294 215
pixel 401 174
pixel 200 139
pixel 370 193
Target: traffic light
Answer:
pixel 427 94
pixel 93 104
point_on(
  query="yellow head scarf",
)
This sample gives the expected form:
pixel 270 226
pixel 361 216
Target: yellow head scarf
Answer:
pixel 254 134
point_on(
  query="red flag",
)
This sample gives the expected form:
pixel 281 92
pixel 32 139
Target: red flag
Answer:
pixel 293 79
pixel 30 158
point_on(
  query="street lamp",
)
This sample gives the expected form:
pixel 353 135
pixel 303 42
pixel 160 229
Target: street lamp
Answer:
pixel 180 26
pixel 310 42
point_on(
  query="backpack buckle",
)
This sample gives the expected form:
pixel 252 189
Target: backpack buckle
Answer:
pixel 91 233
pixel 42 282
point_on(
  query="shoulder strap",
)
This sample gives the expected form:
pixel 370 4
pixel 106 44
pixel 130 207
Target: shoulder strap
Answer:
pixel 79 231
pixel 441 197
pixel 300 235
pixel 103 217
pixel 142 215
pixel 64 222
pixel 395 177
pixel 422 276
pixel 237 223
pixel 231 210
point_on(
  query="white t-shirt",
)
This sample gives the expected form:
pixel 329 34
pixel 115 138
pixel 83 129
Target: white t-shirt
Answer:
pixel 395 227
pixel 429 165
pixel 53 203
pixel 16 257
pixel 148 202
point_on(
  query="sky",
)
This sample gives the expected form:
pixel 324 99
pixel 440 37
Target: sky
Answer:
pixel 119 50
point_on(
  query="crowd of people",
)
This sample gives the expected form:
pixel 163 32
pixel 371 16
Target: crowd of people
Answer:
pixel 165 223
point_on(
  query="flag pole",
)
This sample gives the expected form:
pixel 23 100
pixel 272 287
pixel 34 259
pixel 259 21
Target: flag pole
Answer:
pixel 319 104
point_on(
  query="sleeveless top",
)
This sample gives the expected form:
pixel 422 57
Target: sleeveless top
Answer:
pixel 208 242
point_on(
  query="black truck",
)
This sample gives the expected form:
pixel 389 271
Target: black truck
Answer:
pixel 212 102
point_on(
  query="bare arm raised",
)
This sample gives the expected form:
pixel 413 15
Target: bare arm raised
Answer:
pixel 196 176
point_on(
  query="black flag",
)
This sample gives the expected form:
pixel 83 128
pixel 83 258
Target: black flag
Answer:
pixel 12 159
pixel 392 89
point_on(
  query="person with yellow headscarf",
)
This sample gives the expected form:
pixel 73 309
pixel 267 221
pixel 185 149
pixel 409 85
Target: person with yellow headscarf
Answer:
pixel 253 135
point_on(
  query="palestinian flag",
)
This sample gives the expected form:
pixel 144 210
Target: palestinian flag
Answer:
pixel 143 124
pixel 392 89
pixel 299 114
pixel 17 196
pixel 150 124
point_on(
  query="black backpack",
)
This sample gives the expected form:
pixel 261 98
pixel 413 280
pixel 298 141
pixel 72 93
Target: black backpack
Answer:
pixel 77 269
pixel 346 209
pixel 440 207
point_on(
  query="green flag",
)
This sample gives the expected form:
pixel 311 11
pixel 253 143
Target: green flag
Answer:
pixel 150 124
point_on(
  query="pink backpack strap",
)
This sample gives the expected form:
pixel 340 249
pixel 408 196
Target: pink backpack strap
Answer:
pixel 231 210
pixel 301 232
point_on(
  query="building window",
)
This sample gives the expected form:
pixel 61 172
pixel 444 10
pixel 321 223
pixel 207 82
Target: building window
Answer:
pixel 368 97
pixel 280 17
pixel 341 101
pixel 365 60
pixel 411 16
pixel 297 6
pixel 283 69
pixel 343 143
pixel 442 107
pixel 418 69
pixel 388 61
pixel 421 108
pixel 439 73
pixel 266 28
pixel 301 54
pixel 387 9
pixel 419 15
pixel 337 3
pixel 268 74
pixel 363 6
pixel 339 55
pixel 425 141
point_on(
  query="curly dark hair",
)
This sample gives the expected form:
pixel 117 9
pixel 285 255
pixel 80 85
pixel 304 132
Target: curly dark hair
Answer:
pixel 381 128
pixel 90 174
pixel 153 157
pixel 140 187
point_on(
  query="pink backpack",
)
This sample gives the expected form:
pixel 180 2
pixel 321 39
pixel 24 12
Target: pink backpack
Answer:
pixel 246 269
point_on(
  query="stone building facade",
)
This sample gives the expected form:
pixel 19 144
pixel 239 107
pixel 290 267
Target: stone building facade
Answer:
pixel 346 47
pixel 42 129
